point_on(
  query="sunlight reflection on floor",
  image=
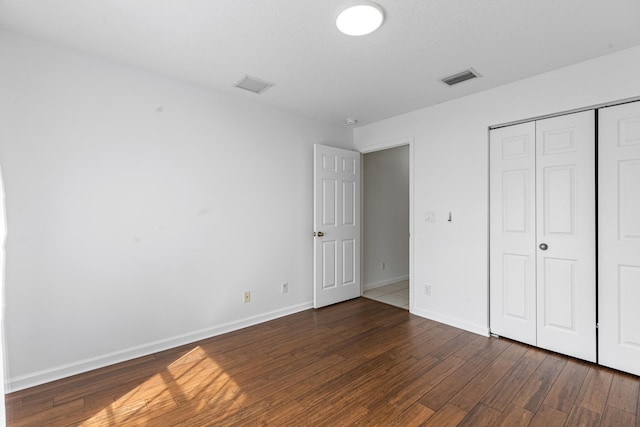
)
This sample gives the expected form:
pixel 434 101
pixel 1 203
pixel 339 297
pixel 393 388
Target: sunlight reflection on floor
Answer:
pixel 194 382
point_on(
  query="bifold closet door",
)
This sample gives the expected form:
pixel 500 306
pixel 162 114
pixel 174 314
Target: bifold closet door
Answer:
pixel 512 255
pixel 542 234
pixel 566 234
pixel 619 237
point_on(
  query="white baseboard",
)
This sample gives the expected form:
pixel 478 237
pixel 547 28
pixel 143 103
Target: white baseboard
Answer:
pixel 451 321
pixel 369 286
pixel 67 370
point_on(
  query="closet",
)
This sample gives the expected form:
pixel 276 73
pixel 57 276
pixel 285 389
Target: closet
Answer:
pixel 542 238
pixel 543 247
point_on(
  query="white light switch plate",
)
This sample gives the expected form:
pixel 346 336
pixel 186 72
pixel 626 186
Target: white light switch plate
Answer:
pixel 430 216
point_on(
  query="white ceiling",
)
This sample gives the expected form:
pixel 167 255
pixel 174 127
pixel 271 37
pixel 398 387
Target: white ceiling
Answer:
pixel 321 73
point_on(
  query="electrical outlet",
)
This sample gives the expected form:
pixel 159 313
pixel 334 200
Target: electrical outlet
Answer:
pixel 382 266
pixel 247 296
pixel 427 290
pixel 285 287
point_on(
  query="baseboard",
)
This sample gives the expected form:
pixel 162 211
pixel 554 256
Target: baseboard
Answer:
pixel 369 286
pixel 451 321
pixel 48 375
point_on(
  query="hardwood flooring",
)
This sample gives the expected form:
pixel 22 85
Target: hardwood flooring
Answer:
pixel 359 363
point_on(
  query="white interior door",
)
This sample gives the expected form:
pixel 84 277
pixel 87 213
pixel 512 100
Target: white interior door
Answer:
pixel 513 232
pixel 566 253
pixel 619 237
pixel 336 219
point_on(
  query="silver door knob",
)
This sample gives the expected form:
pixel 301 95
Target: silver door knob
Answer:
pixel 544 246
pixel 319 234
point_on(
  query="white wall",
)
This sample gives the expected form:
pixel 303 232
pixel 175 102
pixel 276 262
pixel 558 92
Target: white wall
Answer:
pixel 385 224
pixel 451 174
pixel 140 208
pixel 3 352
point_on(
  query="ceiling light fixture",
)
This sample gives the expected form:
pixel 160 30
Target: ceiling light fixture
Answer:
pixel 350 121
pixel 360 18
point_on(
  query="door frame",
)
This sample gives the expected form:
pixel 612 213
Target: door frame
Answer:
pixel 385 145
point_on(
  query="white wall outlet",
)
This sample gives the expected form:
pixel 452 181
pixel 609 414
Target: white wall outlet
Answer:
pixel 427 290
pixel 382 266
pixel 247 296
pixel 430 216
pixel 285 287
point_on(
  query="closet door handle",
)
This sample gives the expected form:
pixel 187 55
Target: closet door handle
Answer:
pixel 543 246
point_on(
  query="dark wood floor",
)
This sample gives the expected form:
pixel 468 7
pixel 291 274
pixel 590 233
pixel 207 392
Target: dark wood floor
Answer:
pixel 355 363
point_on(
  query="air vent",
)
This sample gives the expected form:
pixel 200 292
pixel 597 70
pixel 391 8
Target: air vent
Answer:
pixel 461 77
pixel 253 84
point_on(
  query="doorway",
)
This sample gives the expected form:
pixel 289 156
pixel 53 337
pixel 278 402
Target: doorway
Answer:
pixel 386 225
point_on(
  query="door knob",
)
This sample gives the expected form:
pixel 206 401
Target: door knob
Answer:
pixel 319 234
pixel 544 246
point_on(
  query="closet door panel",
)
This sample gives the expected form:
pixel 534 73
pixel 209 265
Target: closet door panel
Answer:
pixel 619 237
pixel 565 244
pixel 512 235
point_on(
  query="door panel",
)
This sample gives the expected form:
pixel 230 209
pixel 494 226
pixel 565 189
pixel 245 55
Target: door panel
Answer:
pixel 512 232
pixel 329 262
pixel 516 271
pixel 349 264
pixel 629 199
pixel 566 270
pixel 619 237
pixel 559 199
pixel 629 317
pixel 329 202
pixel 516 197
pixel 559 294
pixel 336 224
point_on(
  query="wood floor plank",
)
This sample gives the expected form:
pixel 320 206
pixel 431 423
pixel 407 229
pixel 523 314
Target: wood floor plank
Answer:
pixel 533 393
pixel 414 390
pixel 447 416
pixel 515 351
pixel 583 417
pixel 472 348
pixel 54 414
pixel 469 396
pixel 414 415
pixel 547 416
pixel 451 385
pixel 501 394
pixel 426 342
pixel 514 416
pixel 449 347
pixel 480 415
pixel 624 393
pixel 595 389
pixel 565 390
pixel 616 417
pixel 397 379
pixel 357 363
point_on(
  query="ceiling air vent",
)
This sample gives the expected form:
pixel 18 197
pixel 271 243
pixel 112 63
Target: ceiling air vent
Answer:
pixel 253 84
pixel 461 77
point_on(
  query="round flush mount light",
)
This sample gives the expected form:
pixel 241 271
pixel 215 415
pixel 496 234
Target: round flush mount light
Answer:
pixel 351 121
pixel 360 18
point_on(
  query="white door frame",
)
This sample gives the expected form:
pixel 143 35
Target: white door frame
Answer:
pixel 399 142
